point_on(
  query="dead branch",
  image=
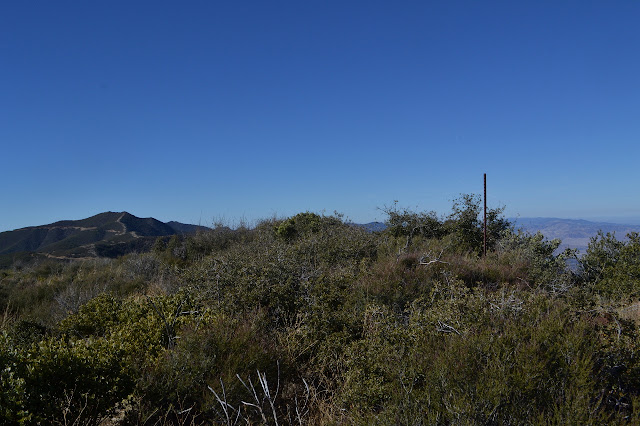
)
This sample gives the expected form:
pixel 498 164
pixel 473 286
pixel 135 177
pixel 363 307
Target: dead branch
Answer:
pixel 422 260
pixel 446 328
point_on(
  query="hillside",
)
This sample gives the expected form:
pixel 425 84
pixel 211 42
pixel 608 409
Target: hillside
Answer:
pixel 107 234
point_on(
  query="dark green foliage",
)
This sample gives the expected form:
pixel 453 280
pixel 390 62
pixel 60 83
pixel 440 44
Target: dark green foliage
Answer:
pixel 95 318
pixel 209 352
pixel 24 333
pixel 57 380
pixel 220 238
pixel 114 249
pixel 602 255
pixel 468 359
pixel 81 380
pixel 465 223
pixel 304 224
pixel 17 260
pixel 12 383
pixel 613 266
pixel 406 223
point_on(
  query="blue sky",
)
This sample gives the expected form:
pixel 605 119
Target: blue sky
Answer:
pixel 203 110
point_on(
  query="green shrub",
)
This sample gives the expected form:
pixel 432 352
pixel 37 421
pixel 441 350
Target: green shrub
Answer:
pixel 207 354
pixel 76 380
pixel 463 226
pixel 612 267
pixel 463 358
pixel 13 392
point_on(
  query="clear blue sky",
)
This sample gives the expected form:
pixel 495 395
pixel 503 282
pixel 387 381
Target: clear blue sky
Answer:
pixel 199 110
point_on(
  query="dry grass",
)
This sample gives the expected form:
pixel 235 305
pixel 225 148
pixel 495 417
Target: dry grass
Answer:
pixel 631 312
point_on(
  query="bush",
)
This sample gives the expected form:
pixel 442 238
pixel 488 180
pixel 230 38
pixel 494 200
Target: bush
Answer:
pixel 460 357
pixel 463 225
pixel 208 353
pixel 612 267
pixel 77 381
pixel 13 392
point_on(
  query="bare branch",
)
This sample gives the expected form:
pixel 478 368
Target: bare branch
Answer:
pixel 446 328
pixel 422 260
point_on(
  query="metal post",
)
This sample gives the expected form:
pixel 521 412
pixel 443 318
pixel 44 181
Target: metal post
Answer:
pixel 485 214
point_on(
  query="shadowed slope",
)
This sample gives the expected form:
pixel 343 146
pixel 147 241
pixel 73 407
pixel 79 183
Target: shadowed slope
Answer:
pixel 106 234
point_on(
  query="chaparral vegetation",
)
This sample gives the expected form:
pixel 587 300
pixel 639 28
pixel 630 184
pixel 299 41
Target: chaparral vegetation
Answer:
pixel 312 320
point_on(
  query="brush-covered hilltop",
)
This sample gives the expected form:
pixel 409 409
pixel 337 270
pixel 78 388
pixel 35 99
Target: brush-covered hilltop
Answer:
pixel 109 234
pixel 113 234
pixel 311 320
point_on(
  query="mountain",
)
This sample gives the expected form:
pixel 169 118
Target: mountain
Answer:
pixel 373 226
pixel 574 233
pixel 108 234
pixel 184 228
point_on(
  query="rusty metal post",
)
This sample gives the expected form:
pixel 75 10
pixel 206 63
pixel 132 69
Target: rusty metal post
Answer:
pixel 485 214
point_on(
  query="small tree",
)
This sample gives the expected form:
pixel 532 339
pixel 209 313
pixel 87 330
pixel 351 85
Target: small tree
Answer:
pixel 463 224
pixel 466 224
pixel 402 222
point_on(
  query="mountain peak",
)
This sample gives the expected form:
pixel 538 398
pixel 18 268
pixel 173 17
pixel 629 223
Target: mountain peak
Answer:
pixel 107 234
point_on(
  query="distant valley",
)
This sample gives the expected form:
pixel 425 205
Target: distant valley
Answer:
pixel 574 233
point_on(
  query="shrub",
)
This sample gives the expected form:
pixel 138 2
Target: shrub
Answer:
pixel 463 225
pixel 76 380
pixel 208 353
pixel 463 358
pixel 612 267
pixel 13 392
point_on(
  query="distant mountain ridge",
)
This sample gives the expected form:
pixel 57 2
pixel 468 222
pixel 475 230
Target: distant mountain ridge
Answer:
pixel 185 228
pixel 373 226
pixel 107 234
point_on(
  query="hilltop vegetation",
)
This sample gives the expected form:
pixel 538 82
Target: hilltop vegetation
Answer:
pixel 310 320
